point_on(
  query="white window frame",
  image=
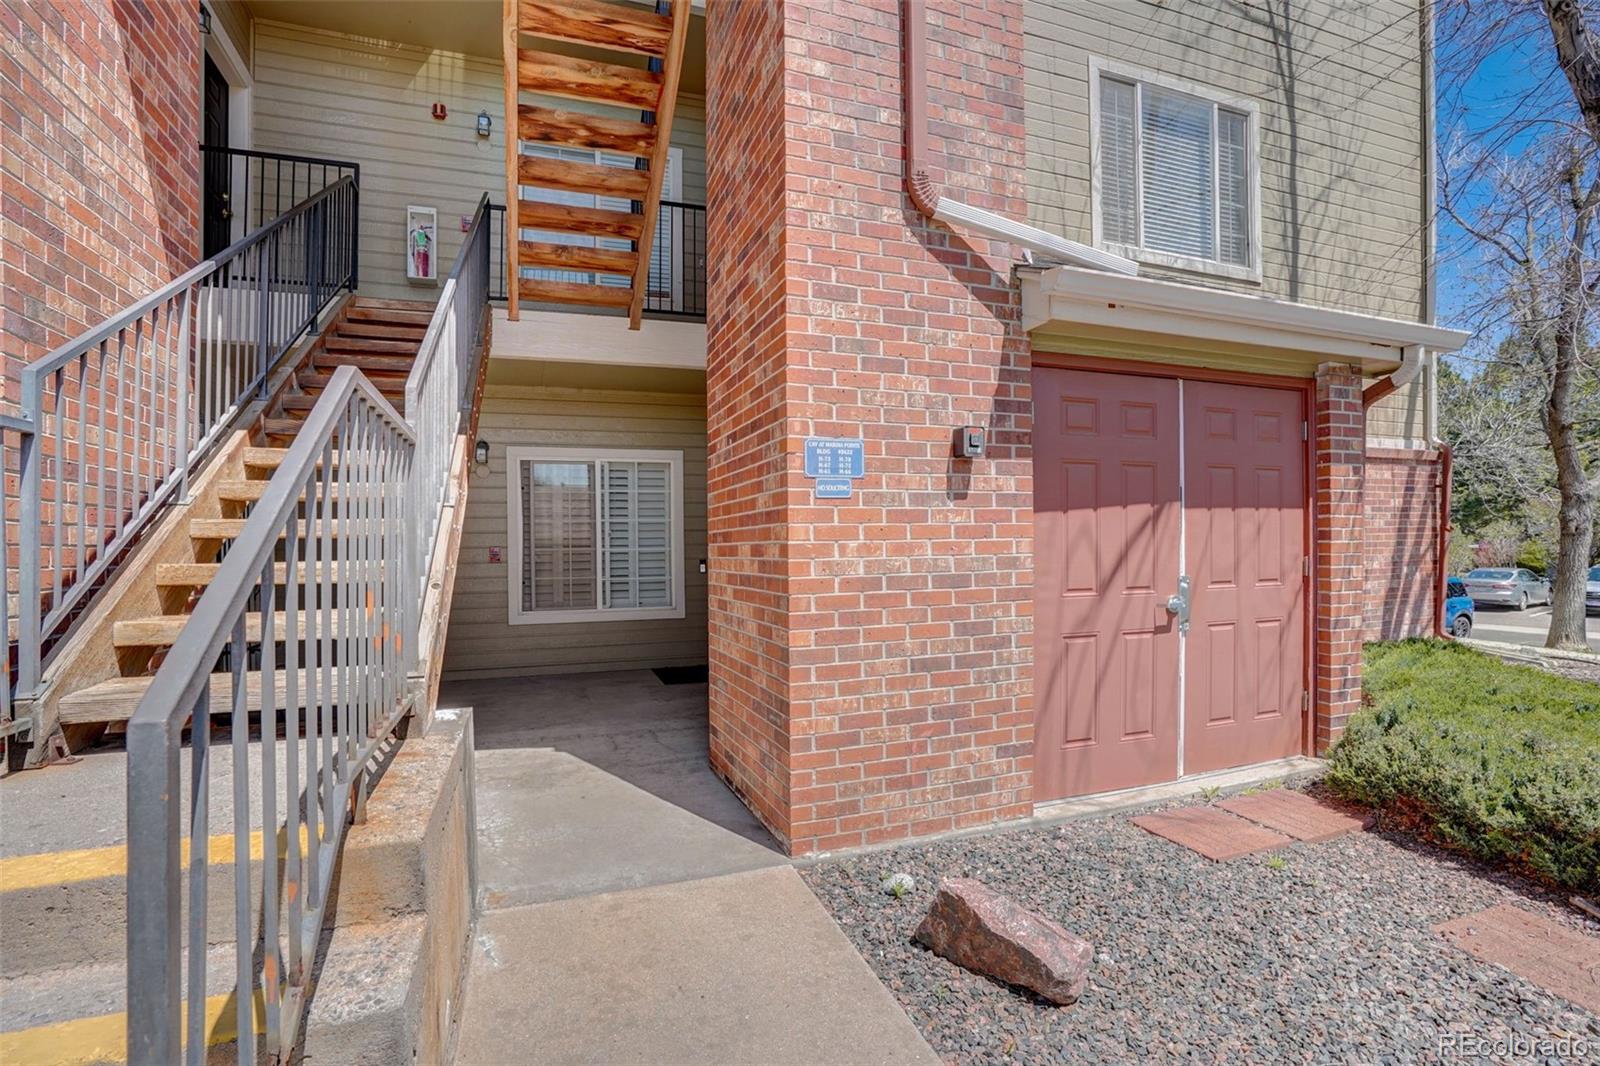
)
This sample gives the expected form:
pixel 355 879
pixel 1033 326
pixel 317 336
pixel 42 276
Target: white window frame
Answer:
pixel 1100 67
pixel 515 457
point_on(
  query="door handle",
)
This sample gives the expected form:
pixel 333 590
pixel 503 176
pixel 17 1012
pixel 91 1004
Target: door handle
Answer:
pixel 1178 603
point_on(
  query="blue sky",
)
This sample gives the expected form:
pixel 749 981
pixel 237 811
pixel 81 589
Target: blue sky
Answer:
pixel 1517 80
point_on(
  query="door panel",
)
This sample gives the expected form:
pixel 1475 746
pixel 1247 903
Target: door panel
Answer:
pixel 1106 558
pixel 217 228
pixel 1244 547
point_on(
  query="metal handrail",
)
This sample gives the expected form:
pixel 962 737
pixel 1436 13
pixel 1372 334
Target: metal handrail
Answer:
pixel 116 418
pixel 348 507
pixel 337 505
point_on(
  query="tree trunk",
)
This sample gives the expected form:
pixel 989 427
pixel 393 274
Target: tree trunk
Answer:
pixel 1576 538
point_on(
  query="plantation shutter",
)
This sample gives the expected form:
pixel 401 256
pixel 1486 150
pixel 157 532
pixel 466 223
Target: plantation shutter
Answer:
pixel 1176 165
pixel 637 523
pixel 613 203
pixel 664 270
pixel 1119 187
pixel 558 547
pixel 1233 187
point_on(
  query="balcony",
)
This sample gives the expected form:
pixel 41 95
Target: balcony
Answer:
pixel 677 285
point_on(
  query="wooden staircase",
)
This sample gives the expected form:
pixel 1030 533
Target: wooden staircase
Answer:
pixel 381 337
pixel 629 68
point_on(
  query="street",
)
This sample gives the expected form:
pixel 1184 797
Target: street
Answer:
pixel 1522 627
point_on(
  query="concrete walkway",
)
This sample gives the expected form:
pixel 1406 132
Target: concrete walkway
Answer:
pixel 633 910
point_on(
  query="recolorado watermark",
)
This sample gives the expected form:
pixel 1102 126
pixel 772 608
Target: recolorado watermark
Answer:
pixel 1516 1046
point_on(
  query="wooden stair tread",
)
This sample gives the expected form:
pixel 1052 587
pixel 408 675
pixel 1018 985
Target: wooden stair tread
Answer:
pixel 590 221
pixel 574 257
pixel 386 316
pixel 304 402
pixel 116 698
pixel 618 26
pixel 623 182
pixel 231 528
pixel 369 363
pixel 199 575
pixel 577 130
pixel 370 303
pixel 404 332
pixel 379 345
pixel 549 74
pixel 569 292
pixel 281 427
pixel 161 630
pixel 263 458
pixel 311 379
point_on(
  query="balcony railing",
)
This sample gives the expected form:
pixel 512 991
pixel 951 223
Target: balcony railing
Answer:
pixel 677 286
pixel 243 190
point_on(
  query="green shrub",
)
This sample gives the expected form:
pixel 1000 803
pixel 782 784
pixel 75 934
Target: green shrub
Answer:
pixel 1497 760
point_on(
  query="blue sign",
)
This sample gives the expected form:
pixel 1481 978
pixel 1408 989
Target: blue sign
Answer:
pixel 834 488
pixel 835 457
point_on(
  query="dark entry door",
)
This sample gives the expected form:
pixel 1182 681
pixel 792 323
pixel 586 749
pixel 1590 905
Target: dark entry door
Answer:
pixel 217 227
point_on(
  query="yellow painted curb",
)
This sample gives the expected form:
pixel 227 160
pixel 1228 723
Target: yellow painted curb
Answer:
pixel 92 864
pixel 83 1041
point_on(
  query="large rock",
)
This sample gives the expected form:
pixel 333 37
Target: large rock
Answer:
pixel 979 929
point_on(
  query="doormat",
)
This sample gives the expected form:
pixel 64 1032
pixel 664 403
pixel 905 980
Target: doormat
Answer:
pixel 682 675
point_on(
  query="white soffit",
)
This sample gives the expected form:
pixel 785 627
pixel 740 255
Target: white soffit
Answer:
pixel 1065 299
pixel 571 336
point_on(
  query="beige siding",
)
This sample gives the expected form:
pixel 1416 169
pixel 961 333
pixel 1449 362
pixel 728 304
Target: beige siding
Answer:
pixel 1339 92
pixel 1400 416
pixel 325 94
pixel 482 642
pixel 235 25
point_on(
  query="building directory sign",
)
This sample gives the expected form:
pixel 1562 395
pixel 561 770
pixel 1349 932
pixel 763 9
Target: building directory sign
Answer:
pixel 835 463
pixel 835 457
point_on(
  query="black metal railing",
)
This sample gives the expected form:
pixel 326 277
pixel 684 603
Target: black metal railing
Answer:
pixel 677 285
pixel 244 189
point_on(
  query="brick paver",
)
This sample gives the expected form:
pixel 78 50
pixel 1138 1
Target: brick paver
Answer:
pixel 1551 955
pixel 1294 813
pixel 1213 833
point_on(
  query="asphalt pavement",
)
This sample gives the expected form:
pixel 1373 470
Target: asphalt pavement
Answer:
pixel 1528 627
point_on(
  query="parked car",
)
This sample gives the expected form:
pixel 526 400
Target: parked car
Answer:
pixel 1591 596
pixel 1507 587
pixel 1457 609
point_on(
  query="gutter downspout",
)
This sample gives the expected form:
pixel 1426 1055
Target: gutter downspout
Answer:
pixel 929 198
pixel 1412 359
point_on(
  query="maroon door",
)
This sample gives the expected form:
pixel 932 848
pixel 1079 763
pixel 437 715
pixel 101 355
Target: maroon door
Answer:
pixel 1106 559
pixel 1244 546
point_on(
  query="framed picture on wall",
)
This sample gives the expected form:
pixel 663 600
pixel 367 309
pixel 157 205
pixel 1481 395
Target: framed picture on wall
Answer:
pixel 422 243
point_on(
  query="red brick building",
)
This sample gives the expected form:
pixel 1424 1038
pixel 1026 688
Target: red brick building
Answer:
pixel 1132 485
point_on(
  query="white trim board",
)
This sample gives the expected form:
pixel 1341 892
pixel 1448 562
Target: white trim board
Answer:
pixel 1063 298
pixel 516 455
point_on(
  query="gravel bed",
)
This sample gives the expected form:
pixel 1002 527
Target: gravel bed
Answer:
pixel 1326 956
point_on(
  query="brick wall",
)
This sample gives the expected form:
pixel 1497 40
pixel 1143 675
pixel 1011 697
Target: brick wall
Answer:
pixel 882 676
pixel 1400 530
pixel 99 203
pixel 1339 437
pixel 747 479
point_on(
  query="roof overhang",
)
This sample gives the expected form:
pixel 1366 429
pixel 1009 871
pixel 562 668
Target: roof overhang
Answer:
pixel 1070 301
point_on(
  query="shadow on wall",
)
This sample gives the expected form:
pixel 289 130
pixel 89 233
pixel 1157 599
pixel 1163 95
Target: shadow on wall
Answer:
pixel 161 64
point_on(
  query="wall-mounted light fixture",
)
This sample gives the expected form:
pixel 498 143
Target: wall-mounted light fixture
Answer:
pixel 485 123
pixel 480 452
pixel 205 19
pixel 440 112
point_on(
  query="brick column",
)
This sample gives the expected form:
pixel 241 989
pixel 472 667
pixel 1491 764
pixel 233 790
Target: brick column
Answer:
pixel 1340 441
pixel 871 658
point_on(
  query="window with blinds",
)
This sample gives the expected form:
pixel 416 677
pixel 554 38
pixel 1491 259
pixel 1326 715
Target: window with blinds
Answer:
pixel 1173 174
pixel 596 535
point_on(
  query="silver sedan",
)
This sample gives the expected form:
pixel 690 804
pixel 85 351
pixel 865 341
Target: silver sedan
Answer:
pixel 1507 587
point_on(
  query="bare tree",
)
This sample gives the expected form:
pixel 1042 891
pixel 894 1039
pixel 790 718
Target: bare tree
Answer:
pixel 1525 188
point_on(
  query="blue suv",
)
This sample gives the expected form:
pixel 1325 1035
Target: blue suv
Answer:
pixel 1457 608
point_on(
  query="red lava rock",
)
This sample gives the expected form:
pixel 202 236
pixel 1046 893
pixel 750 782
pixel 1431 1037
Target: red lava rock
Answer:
pixel 980 930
